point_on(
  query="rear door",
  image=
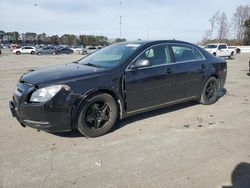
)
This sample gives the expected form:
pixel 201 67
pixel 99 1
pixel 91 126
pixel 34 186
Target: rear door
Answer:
pixel 190 66
pixel 150 86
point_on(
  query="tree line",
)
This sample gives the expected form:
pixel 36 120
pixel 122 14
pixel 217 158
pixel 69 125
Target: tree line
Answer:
pixel 43 38
pixel 234 32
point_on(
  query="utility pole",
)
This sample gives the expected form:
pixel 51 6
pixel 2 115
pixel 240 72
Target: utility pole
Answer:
pixel 120 19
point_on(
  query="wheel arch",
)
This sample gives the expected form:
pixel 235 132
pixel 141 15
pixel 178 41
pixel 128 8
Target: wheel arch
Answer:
pixel 81 101
pixel 204 82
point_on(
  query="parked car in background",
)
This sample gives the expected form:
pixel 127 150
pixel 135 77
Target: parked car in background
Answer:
pixel 24 50
pixel 118 81
pixel 0 51
pixel 76 49
pixel 47 50
pixel 88 50
pixel 221 50
pixel 64 51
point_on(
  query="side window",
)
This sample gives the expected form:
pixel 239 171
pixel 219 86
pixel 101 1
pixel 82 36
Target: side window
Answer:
pixel 185 53
pixel 157 55
pixel 222 47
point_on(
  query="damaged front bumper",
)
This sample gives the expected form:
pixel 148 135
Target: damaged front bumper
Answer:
pixel 51 116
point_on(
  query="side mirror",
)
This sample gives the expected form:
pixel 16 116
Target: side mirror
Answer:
pixel 140 63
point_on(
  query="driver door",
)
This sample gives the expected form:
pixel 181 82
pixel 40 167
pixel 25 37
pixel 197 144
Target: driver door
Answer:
pixel 148 87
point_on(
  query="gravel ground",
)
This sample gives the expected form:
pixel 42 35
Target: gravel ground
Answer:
pixel 188 145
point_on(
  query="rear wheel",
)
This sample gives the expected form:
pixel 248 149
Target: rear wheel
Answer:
pixel 210 91
pixel 39 53
pixel 98 116
pixel 214 54
pixel 32 53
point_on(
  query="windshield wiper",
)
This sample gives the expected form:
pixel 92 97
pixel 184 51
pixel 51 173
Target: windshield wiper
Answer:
pixel 92 65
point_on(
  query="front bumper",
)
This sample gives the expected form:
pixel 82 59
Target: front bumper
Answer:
pixel 51 116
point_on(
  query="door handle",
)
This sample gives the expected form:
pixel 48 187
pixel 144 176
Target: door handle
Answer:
pixel 203 66
pixel 169 71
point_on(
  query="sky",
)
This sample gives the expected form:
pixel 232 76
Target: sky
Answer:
pixel 142 19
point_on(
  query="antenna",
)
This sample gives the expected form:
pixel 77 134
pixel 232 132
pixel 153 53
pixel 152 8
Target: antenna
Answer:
pixel 120 20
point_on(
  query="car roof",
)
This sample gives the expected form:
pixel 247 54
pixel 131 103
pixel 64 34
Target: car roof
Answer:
pixel 152 42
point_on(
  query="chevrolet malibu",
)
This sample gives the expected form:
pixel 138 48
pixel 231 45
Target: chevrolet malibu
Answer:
pixel 118 81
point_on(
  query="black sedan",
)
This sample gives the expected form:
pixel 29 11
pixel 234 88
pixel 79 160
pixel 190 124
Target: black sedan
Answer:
pixel 118 81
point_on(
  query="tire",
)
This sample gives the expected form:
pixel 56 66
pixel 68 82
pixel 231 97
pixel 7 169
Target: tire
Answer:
pixel 97 116
pixel 231 56
pixel 214 54
pixel 18 52
pixel 39 53
pixel 237 50
pixel 84 53
pixel 32 53
pixel 210 90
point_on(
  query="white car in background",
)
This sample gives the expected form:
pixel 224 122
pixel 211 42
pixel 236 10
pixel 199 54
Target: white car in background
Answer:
pixel 76 49
pixel 221 50
pixel 88 50
pixel 25 50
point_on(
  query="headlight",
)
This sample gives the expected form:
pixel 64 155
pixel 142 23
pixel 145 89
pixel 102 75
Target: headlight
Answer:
pixel 45 94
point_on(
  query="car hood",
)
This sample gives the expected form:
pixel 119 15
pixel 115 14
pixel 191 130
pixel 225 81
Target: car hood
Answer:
pixel 59 73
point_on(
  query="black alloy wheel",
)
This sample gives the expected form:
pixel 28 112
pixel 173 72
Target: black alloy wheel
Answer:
pixel 98 116
pixel 210 91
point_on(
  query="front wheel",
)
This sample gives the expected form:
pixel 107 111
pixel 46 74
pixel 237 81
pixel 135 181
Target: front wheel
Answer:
pixel 97 116
pixel 209 93
pixel 231 56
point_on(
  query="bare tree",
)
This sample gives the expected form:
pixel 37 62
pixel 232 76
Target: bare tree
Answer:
pixel 246 40
pixel 213 20
pixel 222 23
pixel 239 17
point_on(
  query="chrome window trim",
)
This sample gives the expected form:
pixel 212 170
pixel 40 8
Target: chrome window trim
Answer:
pixel 171 63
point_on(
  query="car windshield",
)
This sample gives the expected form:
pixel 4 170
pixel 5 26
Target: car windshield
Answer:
pixel 110 56
pixel 211 46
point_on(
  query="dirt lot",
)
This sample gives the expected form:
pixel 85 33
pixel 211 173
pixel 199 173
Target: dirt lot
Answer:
pixel 188 145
